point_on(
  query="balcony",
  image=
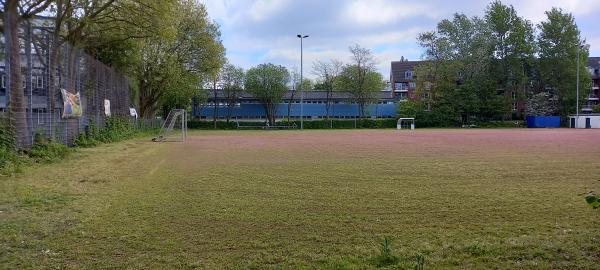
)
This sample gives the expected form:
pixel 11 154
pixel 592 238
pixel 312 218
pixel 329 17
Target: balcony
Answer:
pixel 587 109
pixel 592 97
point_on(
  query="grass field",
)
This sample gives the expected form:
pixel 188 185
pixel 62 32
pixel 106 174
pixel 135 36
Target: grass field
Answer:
pixel 463 199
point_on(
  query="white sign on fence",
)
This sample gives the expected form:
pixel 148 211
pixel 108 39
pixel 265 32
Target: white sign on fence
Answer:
pixel 107 107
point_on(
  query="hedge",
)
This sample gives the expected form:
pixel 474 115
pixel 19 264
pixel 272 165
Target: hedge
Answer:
pixel 308 124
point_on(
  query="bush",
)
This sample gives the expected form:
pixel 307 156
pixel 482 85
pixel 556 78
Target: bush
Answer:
pixel 115 129
pixel 500 124
pixel 47 151
pixel 308 124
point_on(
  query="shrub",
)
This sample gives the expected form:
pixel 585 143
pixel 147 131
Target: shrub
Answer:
pixel 46 151
pixel 115 129
pixel 593 200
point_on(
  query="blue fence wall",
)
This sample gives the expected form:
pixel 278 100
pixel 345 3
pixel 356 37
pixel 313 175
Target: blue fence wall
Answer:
pixel 310 110
pixel 543 121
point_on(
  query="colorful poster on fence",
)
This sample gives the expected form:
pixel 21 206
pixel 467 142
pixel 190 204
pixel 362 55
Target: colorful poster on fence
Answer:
pixel 107 107
pixel 71 104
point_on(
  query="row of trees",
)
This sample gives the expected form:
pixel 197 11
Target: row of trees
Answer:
pixel 167 47
pixel 475 66
pixel 269 83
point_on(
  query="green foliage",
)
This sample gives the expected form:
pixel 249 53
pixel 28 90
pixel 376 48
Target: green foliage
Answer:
pixel 386 257
pixel 7 135
pixel 10 161
pixel 420 262
pixel 593 200
pixel 541 104
pixel 558 44
pixel 596 109
pixel 408 108
pixel 46 151
pixel 364 123
pixel 475 65
pixel 268 83
pixel 115 129
pixel 500 124
pixel 360 78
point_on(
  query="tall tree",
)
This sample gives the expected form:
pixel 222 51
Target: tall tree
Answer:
pixel 14 12
pixel 514 48
pixel 328 73
pixel 268 83
pixel 559 41
pixel 176 63
pixel 460 56
pixel 232 81
pixel 360 78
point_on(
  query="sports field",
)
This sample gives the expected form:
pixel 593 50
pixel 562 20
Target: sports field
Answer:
pixel 463 199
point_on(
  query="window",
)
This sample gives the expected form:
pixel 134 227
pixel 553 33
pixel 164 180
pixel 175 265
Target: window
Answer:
pixel 514 95
pixel 3 81
pixel 413 85
pixel 408 74
pixel 427 85
pixel 514 106
pixel 39 81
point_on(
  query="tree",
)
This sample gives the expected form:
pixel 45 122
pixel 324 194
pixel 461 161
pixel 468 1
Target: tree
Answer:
pixel 328 73
pixel 268 84
pixel 360 78
pixel 514 48
pixel 558 44
pixel 175 64
pixel 459 71
pixel 294 79
pixel 232 81
pixel 541 104
pixel 14 12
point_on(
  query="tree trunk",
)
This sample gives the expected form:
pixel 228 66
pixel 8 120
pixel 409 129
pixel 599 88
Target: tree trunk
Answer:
pixel 290 105
pixel 17 112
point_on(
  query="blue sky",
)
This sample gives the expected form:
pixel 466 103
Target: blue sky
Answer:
pixel 260 31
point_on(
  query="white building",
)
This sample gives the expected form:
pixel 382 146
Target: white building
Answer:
pixel 585 121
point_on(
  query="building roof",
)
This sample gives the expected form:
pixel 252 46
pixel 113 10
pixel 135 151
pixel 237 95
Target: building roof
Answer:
pixel 399 67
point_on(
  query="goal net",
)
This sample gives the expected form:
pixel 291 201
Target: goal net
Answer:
pixel 174 129
pixel 406 123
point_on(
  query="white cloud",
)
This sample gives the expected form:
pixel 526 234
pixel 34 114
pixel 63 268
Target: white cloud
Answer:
pixel 263 9
pixel 534 10
pixel 380 12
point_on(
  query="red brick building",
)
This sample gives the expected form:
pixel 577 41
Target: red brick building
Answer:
pixel 591 96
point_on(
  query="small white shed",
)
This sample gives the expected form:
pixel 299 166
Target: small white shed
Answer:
pixel 584 121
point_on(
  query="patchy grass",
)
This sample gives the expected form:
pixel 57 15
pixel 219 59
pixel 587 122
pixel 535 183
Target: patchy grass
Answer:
pixel 463 199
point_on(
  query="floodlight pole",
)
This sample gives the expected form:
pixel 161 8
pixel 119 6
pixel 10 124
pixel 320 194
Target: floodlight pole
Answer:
pixel 301 37
pixel 577 105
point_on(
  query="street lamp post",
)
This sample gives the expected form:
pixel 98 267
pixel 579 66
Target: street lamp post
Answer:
pixel 301 37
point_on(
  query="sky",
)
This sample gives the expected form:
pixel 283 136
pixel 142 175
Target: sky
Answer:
pixel 263 31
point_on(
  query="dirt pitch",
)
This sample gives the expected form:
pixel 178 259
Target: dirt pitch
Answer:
pixel 464 199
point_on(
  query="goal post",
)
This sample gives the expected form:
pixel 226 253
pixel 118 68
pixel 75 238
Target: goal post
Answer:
pixel 174 128
pixel 406 123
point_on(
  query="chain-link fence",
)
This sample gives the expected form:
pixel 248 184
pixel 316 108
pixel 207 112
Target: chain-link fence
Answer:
pixel 48 68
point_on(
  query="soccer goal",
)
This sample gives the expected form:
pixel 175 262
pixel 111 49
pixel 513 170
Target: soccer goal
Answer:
pixel 174 129
pixel 406 123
